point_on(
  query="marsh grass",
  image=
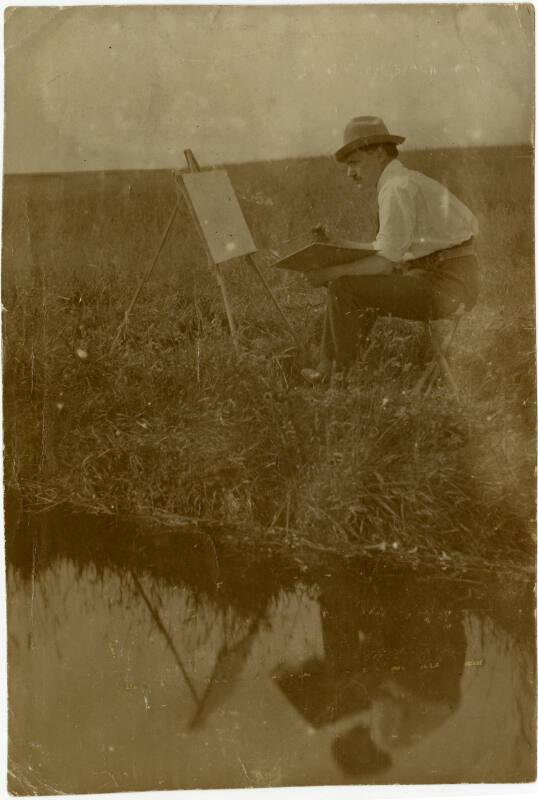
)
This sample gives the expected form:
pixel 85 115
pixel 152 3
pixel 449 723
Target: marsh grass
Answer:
pixel 171 425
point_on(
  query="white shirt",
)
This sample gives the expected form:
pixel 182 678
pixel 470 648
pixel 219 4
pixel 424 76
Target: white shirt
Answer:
pixel 418 216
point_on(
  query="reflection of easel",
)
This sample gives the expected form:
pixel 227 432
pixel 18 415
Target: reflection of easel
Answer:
pixel 161 627
pixel 193 167
pixel 227 669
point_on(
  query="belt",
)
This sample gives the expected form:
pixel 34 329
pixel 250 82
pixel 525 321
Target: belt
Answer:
pixel 459 251
pixel 431 260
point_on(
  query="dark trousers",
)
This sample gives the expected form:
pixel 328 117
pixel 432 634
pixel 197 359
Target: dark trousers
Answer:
pixel 430 291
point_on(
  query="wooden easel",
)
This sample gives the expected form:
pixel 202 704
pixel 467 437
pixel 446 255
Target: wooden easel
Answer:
pixel 193 166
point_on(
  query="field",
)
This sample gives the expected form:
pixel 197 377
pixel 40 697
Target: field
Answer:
pixel 172 426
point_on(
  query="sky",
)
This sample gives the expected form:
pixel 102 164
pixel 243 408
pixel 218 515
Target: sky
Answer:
pixel 92 88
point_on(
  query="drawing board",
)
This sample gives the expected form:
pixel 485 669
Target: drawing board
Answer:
pixel 215 206
pixel 324 254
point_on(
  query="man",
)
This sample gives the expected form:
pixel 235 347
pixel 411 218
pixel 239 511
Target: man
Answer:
pixel 391 670
pixel 423 268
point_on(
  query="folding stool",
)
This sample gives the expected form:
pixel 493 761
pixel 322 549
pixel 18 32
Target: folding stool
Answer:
pixel 440 345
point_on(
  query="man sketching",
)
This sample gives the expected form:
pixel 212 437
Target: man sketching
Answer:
pixel 423 267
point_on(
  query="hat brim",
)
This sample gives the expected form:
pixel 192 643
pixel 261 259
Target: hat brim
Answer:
pixel 364 141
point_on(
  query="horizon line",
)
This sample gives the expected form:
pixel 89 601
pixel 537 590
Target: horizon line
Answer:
pixel 519 146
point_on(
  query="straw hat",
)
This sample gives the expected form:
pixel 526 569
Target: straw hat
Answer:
pixel 362 131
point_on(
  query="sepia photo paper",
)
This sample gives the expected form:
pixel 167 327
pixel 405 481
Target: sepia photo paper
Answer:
pixel 269 387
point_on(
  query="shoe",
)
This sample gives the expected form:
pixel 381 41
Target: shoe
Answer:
pixel 315 376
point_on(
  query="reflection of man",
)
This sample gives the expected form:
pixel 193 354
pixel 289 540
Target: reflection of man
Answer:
pixel 389 663
pixel 398 718
pixel 423 268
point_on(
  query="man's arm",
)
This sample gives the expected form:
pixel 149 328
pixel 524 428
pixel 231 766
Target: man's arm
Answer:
pixel 371 265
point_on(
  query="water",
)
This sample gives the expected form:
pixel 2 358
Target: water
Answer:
pixel 169 662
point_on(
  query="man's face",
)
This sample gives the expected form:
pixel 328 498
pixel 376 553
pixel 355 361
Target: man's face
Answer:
pixel 364 167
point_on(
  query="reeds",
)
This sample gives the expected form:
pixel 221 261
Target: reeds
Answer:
pixel 171 424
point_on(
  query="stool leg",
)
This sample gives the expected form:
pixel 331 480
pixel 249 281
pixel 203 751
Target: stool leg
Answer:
pixel 440 350
pixel 447 375
pixel 440 363
pixel 426 379
pixel 428 375
pixel 449 338
pixel 434 374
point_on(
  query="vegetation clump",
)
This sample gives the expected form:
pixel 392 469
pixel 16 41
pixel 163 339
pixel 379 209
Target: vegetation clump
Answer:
pixel 170 424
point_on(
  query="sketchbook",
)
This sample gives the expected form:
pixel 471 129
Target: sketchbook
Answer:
pixel 324 254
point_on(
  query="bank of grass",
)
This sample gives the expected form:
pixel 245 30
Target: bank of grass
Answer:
pixel 171 425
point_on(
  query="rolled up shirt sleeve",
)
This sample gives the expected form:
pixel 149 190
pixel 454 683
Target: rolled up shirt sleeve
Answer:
pixel 397 220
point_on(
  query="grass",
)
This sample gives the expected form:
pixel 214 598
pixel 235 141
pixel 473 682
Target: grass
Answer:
pixel 171 425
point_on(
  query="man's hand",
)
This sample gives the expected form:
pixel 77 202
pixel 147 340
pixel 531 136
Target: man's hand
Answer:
pixel 371 265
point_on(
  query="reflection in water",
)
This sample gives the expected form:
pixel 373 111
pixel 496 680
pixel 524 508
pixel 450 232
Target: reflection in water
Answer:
pixel 131 678
pixel 229 665
pixel 391 672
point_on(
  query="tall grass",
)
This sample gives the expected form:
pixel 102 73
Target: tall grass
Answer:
pixel 171 423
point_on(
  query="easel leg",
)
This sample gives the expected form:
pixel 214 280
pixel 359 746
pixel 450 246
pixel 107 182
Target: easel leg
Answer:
pixel 332 324
pixel 269 291
pixel 144 278
pixel 227 306
pixel 326 348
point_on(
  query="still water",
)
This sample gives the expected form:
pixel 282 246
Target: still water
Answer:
pixel 175 665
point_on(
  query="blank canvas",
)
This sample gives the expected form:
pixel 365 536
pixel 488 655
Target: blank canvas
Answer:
pixel 219 214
